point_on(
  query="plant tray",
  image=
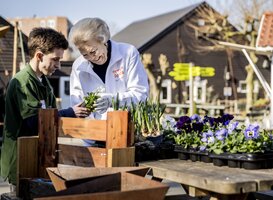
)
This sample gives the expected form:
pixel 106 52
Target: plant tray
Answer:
pixel 193 155
pixel 244 160
pixel 115 186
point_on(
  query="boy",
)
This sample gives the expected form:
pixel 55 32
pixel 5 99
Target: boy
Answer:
pixel 30 90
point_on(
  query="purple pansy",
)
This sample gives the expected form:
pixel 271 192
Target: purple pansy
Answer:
pixel 232 127
pixel 221 134
pixel 195 117
pixel 252 131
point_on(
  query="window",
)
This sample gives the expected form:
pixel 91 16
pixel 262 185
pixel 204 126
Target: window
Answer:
pixel 42 23
pixel 51 23
pixel 201 22
pixel 199 90
pixel 66 88
pixel 242 87
pixel 166 91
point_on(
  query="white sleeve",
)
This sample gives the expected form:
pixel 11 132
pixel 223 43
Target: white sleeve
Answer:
pixel 76 92
pixel 137 80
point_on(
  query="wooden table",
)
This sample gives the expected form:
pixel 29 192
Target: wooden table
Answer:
pixel 202 179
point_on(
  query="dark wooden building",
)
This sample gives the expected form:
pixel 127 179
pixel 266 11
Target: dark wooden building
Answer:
pixel 59 80
pixel 169 34
pixel 7 55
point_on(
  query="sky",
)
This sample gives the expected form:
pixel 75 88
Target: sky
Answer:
pixel 117 13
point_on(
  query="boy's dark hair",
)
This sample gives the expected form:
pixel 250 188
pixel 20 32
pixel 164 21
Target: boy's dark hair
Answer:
pixel 45 40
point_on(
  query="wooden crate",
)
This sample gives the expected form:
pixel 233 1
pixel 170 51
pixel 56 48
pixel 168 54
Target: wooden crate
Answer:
pixel 35 154
pixel 118 186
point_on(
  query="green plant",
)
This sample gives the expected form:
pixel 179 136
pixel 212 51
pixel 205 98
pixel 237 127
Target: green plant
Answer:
pixel 90 100
pixel 188 132
pixel 248 139
pixel 146 116
pixel 233 138
pixel 116 104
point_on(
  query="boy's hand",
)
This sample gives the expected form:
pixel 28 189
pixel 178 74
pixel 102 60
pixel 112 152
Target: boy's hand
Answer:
pixel 80 110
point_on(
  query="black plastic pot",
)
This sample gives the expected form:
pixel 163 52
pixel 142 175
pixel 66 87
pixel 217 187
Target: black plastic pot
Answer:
pixel 166 150
pixel 244 160
pixel 192 154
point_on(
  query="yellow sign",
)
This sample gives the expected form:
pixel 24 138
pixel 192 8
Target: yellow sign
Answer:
pixel 181 71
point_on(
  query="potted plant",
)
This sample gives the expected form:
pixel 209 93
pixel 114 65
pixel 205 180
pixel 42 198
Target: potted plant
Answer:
pixel 193 135
pixel 149 125
pixel 147 119
pixel 243 146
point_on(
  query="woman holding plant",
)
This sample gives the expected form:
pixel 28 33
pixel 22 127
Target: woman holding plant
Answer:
pixel 104 63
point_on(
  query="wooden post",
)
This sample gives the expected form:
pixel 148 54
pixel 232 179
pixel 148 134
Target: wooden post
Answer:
pixel 117 129
pixel 15 47
pixel 27 159
pixel 119 136
pixel 191 111
pixel 48 139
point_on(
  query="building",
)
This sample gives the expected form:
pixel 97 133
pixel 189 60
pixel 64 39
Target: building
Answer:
pixel 7 53
pixel 169 34
pixel 61 24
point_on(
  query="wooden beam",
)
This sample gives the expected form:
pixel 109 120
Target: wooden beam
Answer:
pixel 15 48
pixel 4 30
pixel 83 128
pixel 239 47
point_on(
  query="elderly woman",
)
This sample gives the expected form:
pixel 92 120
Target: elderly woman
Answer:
pixel 107 64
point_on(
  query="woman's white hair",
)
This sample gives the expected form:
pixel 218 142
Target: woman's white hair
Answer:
pixel 89 29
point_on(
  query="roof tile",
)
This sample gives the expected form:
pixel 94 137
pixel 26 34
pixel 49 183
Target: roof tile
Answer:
pixel 265 35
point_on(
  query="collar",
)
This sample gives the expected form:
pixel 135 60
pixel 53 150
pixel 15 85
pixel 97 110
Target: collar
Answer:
pixel 86 66
pixel 34 76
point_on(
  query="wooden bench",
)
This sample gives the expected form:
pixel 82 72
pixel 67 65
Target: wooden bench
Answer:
pixel 37 153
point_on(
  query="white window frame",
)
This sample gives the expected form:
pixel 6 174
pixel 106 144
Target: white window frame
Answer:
pixel 203 85
pixel 51 23
pixel 42 23
pixel 196 85
pixel 240 88
pixel 167 83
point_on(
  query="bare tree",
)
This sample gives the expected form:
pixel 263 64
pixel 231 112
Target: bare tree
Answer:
pixel 213 27
pixel 155 82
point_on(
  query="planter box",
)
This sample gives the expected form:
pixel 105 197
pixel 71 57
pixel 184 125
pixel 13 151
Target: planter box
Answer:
pixel 244 160
pixel 193 155
pixel 64 177
pixel 115 186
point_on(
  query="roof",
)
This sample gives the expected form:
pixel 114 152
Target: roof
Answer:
pixel 265 34
pixel 6 51
pixel 142 33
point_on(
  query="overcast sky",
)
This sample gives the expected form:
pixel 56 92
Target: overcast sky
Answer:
pixel 117 13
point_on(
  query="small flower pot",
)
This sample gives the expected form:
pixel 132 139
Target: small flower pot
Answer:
pixel 205 159
pixel 234 164
pixel 244 160
pixel 157 140
pixel 219 162
pixel 194 157
pixel 182 152
pixel 166 150
pixel 183 156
